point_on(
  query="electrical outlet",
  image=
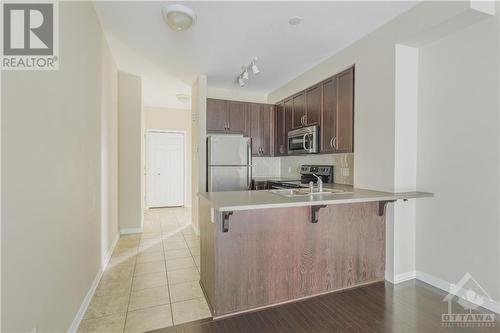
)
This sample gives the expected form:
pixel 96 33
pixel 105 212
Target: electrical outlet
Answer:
pixel 35 329
pixel 289 169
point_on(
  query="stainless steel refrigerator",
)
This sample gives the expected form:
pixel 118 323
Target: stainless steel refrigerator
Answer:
pixel 229 163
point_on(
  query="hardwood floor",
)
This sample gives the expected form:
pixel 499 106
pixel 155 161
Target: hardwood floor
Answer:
pixel 411 306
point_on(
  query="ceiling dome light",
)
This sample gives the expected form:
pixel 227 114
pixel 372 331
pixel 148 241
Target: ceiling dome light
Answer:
pixel 178 17
pixel 295 20
pixel 183 98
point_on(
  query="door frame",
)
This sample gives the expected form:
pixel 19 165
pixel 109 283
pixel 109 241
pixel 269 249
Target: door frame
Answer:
pixel 146 164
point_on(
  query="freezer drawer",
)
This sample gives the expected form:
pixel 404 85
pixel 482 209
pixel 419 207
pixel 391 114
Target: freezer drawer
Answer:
pixel 228 178
pixel 228 150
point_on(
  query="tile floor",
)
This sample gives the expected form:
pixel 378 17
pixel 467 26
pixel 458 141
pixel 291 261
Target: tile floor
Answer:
pixel 152 278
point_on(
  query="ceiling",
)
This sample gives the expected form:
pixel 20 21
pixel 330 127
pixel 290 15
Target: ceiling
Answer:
pixel 228 35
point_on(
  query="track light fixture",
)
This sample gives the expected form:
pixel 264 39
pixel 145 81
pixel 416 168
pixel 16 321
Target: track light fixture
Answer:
pixel 244 72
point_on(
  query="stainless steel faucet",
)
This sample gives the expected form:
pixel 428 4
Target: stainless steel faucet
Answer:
pixel 320 182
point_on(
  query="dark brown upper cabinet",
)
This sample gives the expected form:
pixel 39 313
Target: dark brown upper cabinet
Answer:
pixel 329 112
pixel 345 112
pixel 313 105
pixel 261 128
pixel 216 115
pixel 337 126
pixel 254 120
pixel 226 116
pixel 299 109
pixel 280 134
pixel 288 104
pixel 237 117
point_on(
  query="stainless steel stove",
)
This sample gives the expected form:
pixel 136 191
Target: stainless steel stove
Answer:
pixel 307 173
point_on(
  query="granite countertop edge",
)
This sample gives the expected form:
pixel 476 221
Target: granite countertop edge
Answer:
pixel 263 199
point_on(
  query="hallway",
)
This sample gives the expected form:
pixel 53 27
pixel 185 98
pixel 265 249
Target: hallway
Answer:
pixel 152 279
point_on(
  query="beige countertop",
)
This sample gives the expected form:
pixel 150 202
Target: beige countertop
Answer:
pixel 248 200
pixel 279 179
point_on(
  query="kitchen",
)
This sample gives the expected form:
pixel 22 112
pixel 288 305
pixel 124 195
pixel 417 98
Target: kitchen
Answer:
pixel 318 120
pixel 268 240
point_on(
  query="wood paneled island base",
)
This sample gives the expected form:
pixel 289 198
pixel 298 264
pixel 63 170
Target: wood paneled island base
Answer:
pixel 275 255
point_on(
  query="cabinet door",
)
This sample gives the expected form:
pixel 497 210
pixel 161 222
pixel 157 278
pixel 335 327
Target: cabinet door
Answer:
pixel 313 105
pixel 237 117
pixel 299 110
pixel 345 112
pixel 266 129
pixel 216 115
pixel 280 147
pixel 254 130
pixel 329 118
pixel 288 121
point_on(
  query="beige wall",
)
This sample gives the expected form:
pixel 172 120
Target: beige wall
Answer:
pixel 173 120
pixel 199 135
pixel 109 153
pixel 458 157
pixel 236 94
pixel 51 178
pixel 130 153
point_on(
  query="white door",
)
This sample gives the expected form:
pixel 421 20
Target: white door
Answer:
pixel 165 169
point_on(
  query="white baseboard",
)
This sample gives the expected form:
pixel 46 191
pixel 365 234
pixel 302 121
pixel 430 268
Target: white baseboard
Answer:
pixel 86 301
pixel 406 276
pixel 105 260
pixel 491 305
pixel 130 231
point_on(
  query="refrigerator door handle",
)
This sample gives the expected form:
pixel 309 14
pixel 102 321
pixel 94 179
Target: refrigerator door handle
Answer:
pixel 249 182
pixel 209 179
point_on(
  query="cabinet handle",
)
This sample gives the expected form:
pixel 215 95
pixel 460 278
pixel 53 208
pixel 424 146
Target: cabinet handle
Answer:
pixel 305 119
pixel 228 125
pixel 335 143
pixel 331 142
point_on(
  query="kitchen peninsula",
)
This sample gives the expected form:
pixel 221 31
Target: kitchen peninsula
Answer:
pixel 261 248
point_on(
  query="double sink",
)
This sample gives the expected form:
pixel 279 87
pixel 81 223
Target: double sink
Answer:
pixel 304 192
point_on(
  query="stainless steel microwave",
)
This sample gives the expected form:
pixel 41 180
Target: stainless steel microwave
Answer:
pixel 304 140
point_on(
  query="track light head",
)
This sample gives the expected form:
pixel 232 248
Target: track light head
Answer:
pixel 255 69
pixel 244 73
pixel 241 82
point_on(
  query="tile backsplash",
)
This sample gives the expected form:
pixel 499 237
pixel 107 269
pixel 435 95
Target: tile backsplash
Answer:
pixel 289 166
pixel 266 167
